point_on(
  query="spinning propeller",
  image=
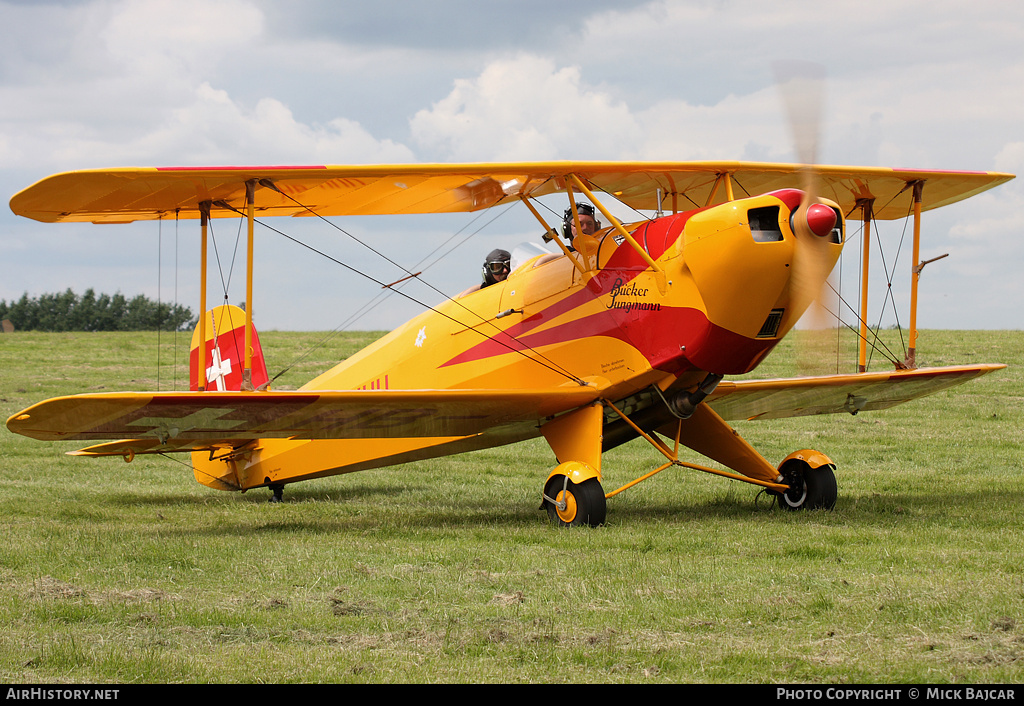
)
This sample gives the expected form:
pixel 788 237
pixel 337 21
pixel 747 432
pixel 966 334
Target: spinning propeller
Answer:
pixel 802 86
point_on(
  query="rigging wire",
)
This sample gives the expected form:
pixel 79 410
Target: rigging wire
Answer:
pixel 389 289
pixel 889 275
pixel 878 344
pixel 386 292
pixel 859 317
pixel 226 285
pixel 403 269
pixel 549 363
pixel 540 359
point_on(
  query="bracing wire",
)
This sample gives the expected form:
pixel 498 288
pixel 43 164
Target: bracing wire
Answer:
pixel 889 275
pixel 226 284
pixel 392 262
pixel 877 343
pixel 859 317
pixel 385 293
pixel 540 358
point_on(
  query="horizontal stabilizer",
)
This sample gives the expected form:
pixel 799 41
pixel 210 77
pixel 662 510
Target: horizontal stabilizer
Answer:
pixel 829 394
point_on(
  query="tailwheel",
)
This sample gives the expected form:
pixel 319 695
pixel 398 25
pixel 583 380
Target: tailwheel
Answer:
pixel 572 505
pixel 277 493
pixel 810 488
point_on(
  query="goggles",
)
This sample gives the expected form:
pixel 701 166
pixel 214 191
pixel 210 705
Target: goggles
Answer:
pixel 497 267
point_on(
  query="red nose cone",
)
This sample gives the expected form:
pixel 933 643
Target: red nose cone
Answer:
pixel 820 219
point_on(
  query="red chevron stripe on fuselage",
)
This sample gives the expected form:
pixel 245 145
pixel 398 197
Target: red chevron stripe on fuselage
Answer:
pixel 672 339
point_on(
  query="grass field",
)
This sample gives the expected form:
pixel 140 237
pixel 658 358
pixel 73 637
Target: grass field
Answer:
pixel 446 571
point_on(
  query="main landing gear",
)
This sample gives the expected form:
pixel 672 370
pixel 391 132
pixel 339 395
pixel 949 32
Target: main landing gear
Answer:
pixel 810 488
pixel 573 496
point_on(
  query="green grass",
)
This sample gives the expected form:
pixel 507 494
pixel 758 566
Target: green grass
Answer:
pixel 446 571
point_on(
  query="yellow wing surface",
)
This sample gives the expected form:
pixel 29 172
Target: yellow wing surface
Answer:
pixel 198 420
pixel 829 394
pixel 184 421
pixel 129 194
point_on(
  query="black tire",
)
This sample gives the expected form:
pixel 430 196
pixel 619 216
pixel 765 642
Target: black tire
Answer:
pixel 585 503
pixel 809 488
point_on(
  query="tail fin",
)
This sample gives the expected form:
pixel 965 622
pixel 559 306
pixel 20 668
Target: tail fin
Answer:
pixel 225 352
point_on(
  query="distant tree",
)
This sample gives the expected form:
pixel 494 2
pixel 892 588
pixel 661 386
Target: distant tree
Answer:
pixel 67 311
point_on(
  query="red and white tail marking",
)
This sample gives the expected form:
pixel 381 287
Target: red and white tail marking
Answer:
pixel 225 353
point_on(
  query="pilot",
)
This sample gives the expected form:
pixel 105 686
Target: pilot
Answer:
pixel 496 267
pixel 588 222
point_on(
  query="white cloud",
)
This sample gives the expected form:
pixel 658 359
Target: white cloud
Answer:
pixel 912 84
pixel 208 128
pixel 987 235
pixel 525 108
pixel 214 129
pixel 131 91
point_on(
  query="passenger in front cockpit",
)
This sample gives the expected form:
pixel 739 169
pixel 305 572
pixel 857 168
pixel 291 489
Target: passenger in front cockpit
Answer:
pixel 496 267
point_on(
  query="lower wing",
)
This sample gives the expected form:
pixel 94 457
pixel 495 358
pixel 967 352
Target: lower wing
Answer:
pixel 188 421
pixel 797 397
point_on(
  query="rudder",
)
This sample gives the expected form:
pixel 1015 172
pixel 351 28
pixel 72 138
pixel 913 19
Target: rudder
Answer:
pixel 225 348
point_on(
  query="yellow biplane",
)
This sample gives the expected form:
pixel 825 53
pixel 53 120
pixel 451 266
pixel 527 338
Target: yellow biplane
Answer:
pixel 629 332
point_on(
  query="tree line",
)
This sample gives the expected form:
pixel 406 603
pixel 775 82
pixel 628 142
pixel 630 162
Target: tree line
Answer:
pixel 67 311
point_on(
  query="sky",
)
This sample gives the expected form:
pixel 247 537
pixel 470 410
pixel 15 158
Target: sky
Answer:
pixel 921 84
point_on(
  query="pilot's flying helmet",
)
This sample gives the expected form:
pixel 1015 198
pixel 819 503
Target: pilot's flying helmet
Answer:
pixel 496 262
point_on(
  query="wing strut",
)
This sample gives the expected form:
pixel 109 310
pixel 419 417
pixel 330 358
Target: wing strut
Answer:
pixel 915 275
pixel 204 221
pixel 658 272
pixel 723 177
pixel 558 241
pixel 866 206
pixel 867 211
pixel 250 200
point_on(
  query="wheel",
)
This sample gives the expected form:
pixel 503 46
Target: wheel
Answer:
pixel 809 488
pixel 584 503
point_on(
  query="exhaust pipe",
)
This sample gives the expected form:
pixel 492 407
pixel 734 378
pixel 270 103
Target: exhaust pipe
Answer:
pixel 685 404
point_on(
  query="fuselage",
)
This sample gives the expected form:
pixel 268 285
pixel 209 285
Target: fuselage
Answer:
pixel 721 303
pixel 720 299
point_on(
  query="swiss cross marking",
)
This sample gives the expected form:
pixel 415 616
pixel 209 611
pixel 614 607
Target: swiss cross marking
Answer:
pixel 218 370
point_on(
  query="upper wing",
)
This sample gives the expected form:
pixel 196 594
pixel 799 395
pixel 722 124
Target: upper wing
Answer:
pixel 124 195
pixel 796 397
pixel 199 420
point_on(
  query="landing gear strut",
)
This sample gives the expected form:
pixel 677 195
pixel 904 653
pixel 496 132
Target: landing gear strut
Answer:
pixel 278 493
